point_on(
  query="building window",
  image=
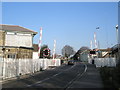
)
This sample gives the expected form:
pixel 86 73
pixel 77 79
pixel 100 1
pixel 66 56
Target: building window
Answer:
pixel 10 33
pixel 13 56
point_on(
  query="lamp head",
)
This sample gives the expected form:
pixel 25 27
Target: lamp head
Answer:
pixel 116 26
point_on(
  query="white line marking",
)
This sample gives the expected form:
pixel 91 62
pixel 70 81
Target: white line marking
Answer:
pixel 79 75
pixel 50 77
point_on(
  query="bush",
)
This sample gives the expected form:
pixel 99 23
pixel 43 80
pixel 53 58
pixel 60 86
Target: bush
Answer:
pixel 110 76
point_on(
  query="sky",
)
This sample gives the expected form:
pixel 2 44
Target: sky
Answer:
pixel 69 23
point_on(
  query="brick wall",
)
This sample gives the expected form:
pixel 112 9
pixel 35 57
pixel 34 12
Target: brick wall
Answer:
pixel 18 53
pixel 25 53
pixel 2 38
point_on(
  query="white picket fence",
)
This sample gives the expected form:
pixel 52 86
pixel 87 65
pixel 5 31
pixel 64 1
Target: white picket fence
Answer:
pixel 15 67
pixel 101 62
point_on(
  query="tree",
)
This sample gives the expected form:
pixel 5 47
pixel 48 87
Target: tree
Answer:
pixel 67 51
pixel 83 48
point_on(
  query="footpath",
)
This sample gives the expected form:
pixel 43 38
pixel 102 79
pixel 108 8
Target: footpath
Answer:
pixel 90 79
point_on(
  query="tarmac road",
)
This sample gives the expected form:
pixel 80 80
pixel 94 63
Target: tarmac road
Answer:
pixel 79 75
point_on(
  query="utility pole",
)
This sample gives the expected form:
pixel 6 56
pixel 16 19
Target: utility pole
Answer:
pixel 98 28
pixel 91 44
pixel 98 45
pixel 117 34
pixel 95 41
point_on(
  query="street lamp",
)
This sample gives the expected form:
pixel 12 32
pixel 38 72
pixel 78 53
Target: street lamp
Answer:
pixel 118 41
pixel 98 44
pixel 117 33
pixel 98 28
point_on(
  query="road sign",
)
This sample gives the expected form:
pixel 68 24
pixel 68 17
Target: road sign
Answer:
pixel 46 52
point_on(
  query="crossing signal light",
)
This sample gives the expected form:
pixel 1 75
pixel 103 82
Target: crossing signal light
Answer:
pixel 46 52
pixel 92 52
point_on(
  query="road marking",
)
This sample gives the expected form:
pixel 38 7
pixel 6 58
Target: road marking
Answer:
pixel 56 74
pixel 78 76
pixel 38 82
pixel 51 76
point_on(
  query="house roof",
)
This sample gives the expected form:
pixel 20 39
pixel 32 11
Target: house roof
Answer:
pixel 115 48
pixel 15 28
pixel 16 47
pixel 108 49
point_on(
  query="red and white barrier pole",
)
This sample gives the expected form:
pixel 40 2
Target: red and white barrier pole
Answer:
pixel 95 40
pixel 91 44
pixel 40 42
pixel 54 49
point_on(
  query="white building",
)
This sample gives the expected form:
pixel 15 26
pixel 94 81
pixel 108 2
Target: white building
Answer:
pixel 16 41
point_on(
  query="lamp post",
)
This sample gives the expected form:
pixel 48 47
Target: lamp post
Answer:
pixel 117 33
pixel 98 45
pixel 118 42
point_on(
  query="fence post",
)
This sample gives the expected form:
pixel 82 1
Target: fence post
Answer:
pixel 33 66
pixel 3 68
pixel 18 67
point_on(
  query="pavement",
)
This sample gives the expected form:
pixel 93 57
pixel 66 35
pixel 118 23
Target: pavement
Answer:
pixel 80 75
pixel 91 79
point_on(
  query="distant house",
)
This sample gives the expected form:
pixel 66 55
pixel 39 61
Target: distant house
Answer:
pixel 84 56
pixel 116 52
pixel 101 53
pixel 104 53
pixel 16 42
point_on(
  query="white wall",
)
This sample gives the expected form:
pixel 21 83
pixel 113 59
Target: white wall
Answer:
pixel 101 62
pixel 24 40
pixel 14 67
pixel 35 55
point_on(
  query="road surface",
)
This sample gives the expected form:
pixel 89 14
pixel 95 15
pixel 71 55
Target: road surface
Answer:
pixel 79 75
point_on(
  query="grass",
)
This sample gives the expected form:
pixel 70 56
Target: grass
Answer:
pixel 110 76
